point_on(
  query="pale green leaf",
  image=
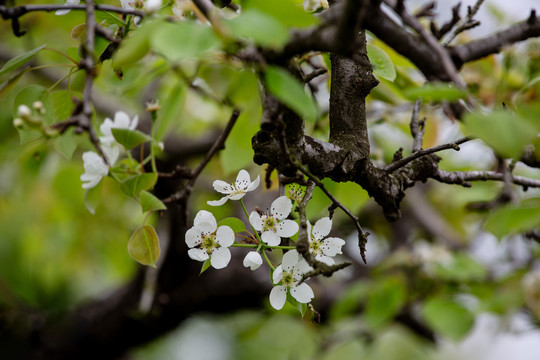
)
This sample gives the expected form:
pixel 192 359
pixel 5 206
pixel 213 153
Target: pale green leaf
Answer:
pixel 10 83
pixel 504 131
pixel 435 92
pixel 20 60
pixel 135 47
pixel 235 224
pixel 290 91
pixel 381 62
pixel 151 203
pixel 134 185
pixel 286 11
pixel 257 25
pixel 206 264
pixel 447 317
pixel 143 246
pixel 513 219
pixel 384 301
pixel 129 138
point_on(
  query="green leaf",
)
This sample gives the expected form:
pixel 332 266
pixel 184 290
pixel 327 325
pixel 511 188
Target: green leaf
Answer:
pixel 286 11
pixel 290 92
pixel 257 25
pixel 235 224
pixel 385 301
pixel 179 41
pixel 28 96
pixel 151 203
pixel 301 307
pixel 108 18
pixel 10 83
pixel 134 48
pixel 129 138
pixel 435 92
pixel 134 185
pixel 143 246
pixel 462 268
pixel 20 60
pixel 239 153
pixel 381 62
pixel 503 130
pixel 513 219
pixel 447 318
pixel 206 264
pixel 171 107
pixel 91 198
pixel 63 108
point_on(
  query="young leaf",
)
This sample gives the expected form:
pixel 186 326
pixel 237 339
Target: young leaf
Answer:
pixel 256 25
pixel 151 203
pixel 381 62
pixel 290 92
pixel 206 264
pixel 20 60
pixel 447 317
pixel 435 92
pixel 235 224
pixel 10 83
pixel 513 219
pixel 286 11
pixel 133 185
pixel 129 138
pixel 143 246
pixel 503 130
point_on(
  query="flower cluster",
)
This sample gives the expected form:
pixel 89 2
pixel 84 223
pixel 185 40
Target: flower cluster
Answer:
pixel 95 167
pixel 210 243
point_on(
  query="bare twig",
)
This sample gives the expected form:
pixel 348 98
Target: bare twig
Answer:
pixel 315 73
pixel 415 155
pixel 464 178
pixel 467 24
pixel 18 11
pixel 449 25
pixel 417 127
pixel 218 145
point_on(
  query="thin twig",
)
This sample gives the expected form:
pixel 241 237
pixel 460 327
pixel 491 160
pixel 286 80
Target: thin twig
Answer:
pixel 467 24
pixel 449 25
pixel 312 75
pixel 415 155
pixel 464 178
pixel 218 145
pixel 18 11
pixel 417 127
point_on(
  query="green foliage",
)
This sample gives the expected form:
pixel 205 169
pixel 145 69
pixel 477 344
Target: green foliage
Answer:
pixel 435 92
pixel 256 25
pixel 151 203
pixel 129 138
pixel 447 317
pixel 384 301
pixel 143 246
pixel 291 92
pixel 514 219
pixel 381 62
pixel 20 60
pixel 286 11
pixel 134 185
pixel 235 224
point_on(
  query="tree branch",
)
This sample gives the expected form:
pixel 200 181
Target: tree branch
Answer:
pixel 465 178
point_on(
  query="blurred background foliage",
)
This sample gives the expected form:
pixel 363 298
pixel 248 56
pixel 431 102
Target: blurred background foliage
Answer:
pixel 54 253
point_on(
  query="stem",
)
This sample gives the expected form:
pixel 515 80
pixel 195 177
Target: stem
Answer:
pixel 245 245
pixel 247 216
pixel 268 260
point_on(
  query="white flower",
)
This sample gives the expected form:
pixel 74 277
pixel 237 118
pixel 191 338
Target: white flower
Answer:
pixel 132 4
pixel 153 5
pixel 94 169
pixel 206 240
pixel 121 121
pixel 24 111
pixel 253 260
pixel 275 226
pixel 323 249
pixel 287 275
pixel 234 192
pixel 313 5
pixel 68 2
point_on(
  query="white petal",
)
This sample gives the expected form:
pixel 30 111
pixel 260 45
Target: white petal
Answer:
pixel 205 221
pixel 94 164
pixel 237 196
pixel 253 260
pixel 255 220
pixel 302 293
pixel 281 207
pixel 301 268
pixel 105 129
pixel 277 275
pixel 90 181
pixel 61 12
pixel 271 238
pixel 219 202
pixel 220 258
pixel 287 228
pixel 322 228
pixel 290 259
pixel 254 184
pixel 278 295
pixel 134 122
pixel 193 237
pixel 198 254
pixel 332 246
pixel 242 180
pixel 225 236
pixel 325 259
pixel 111 151
pixel 223 187
pixel 121 120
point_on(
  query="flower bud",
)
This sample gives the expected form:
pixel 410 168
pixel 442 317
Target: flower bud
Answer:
pixel 153 5
pixel 253 260
pixel 24 112
pixel 18 123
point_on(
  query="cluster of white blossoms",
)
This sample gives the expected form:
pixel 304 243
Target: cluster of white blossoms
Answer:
pixel 208 242
pixel 95 168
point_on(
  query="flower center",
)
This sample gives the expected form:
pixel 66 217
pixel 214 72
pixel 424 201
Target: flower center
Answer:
pixel 209 243
pixel 269 223
pixel 237 192
pixel 315 246
pixel 288 279
pixel 138 4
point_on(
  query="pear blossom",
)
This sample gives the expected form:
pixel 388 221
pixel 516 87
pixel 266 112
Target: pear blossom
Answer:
pixel 275 225
pixel 206 240
pixel 287 276
pixel 153 5
pixel 323 248
pixel 94 169
pixel 253 260
pixel 68 3
pixel 237 191
pixel 121 121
